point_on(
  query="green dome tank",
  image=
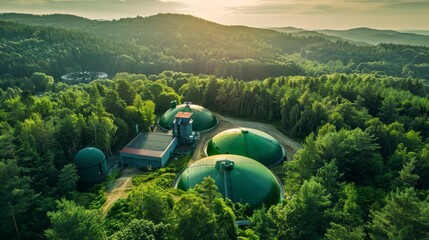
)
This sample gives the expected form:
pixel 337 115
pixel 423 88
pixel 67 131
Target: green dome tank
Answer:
pixel 237 178
pixel 91 165
pixel 203 119
pixel 247 142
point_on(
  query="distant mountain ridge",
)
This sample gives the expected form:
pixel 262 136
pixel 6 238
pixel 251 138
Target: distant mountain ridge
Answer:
pixel 176 22
pixel 288 29
pixel 307 33
pixel 51 20
pixel 176 32
pixel 420 32
pixel 364 35
pixel 190 44
pixel 161 42
pixel 375 36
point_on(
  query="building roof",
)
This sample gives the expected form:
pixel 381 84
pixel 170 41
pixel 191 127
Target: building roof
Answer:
pixel 203 119
pixel 149 144
pixel 238 178
pixel 89 156
pixel 247 142
pixel 183 115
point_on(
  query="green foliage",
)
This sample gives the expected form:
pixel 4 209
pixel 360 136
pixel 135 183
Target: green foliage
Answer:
pixel 142 229
pixel 329 177
pixel 406 176
pixel 67 180
pixel 125 91
pixel 42 82
pixel 86 224
pixel 338 232
pixel 304 216
pixel 240 209
pixel 247 234
pixel 100 197
pixel 193 220
pixel 155 204
pixel 119 215
pixel 355 153
pixel 303 166
pixel 225 220
pixel 17 199
pixel 362 110
pixel 403 217
pixel 262 223
pixel 208 191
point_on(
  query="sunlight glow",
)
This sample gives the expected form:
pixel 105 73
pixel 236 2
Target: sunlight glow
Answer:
pixel 308 14
pixel 212 7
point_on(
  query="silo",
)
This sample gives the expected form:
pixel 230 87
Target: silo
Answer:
pixel 247 142
pixel 91 166
pixel 182 127
pixel 203 119
pixel 238 178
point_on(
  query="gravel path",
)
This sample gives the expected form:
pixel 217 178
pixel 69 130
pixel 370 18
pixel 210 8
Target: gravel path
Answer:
pixel 120 188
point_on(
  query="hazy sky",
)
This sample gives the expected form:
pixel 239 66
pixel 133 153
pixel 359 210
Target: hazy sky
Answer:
pixel 310 14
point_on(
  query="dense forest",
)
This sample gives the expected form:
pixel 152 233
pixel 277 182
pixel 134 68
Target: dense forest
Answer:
pixel 360 111
pixel 183 43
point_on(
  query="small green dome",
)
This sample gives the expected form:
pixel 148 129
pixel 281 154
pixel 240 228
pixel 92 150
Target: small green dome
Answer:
pixel 91 166
pixel 246 142
pixel 237 178
pixel 89 156
pixel 203 119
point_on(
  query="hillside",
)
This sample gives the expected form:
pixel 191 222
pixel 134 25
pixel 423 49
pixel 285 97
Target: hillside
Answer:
pixel 374 36
pixel 364 36
pixel 176 31
pixel 185 43
pixel 53 20
pixel 173 29
pixel 298 32
pixel 27 49
pixel 420 32
pixel 288 29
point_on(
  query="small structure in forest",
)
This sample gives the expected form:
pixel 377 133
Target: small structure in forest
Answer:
pixel 91 166
pixel 182 128
pixel 148 150
pixel 152 150
pixel 82 77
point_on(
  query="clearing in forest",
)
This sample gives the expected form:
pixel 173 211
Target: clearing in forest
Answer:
pixel 120 188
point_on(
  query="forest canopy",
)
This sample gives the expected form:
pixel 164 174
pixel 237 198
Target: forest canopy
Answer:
pixel 361 113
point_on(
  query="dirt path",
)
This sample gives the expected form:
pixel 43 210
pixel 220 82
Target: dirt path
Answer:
pixel 119 188
pixel 290 145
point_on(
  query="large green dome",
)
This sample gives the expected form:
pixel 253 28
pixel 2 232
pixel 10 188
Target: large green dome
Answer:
pixel 203 119
pixel 246 142
pixel 237 178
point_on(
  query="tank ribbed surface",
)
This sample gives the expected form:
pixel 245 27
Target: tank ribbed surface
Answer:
pixel 247 142
pixel 203 119
pixel 238 178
